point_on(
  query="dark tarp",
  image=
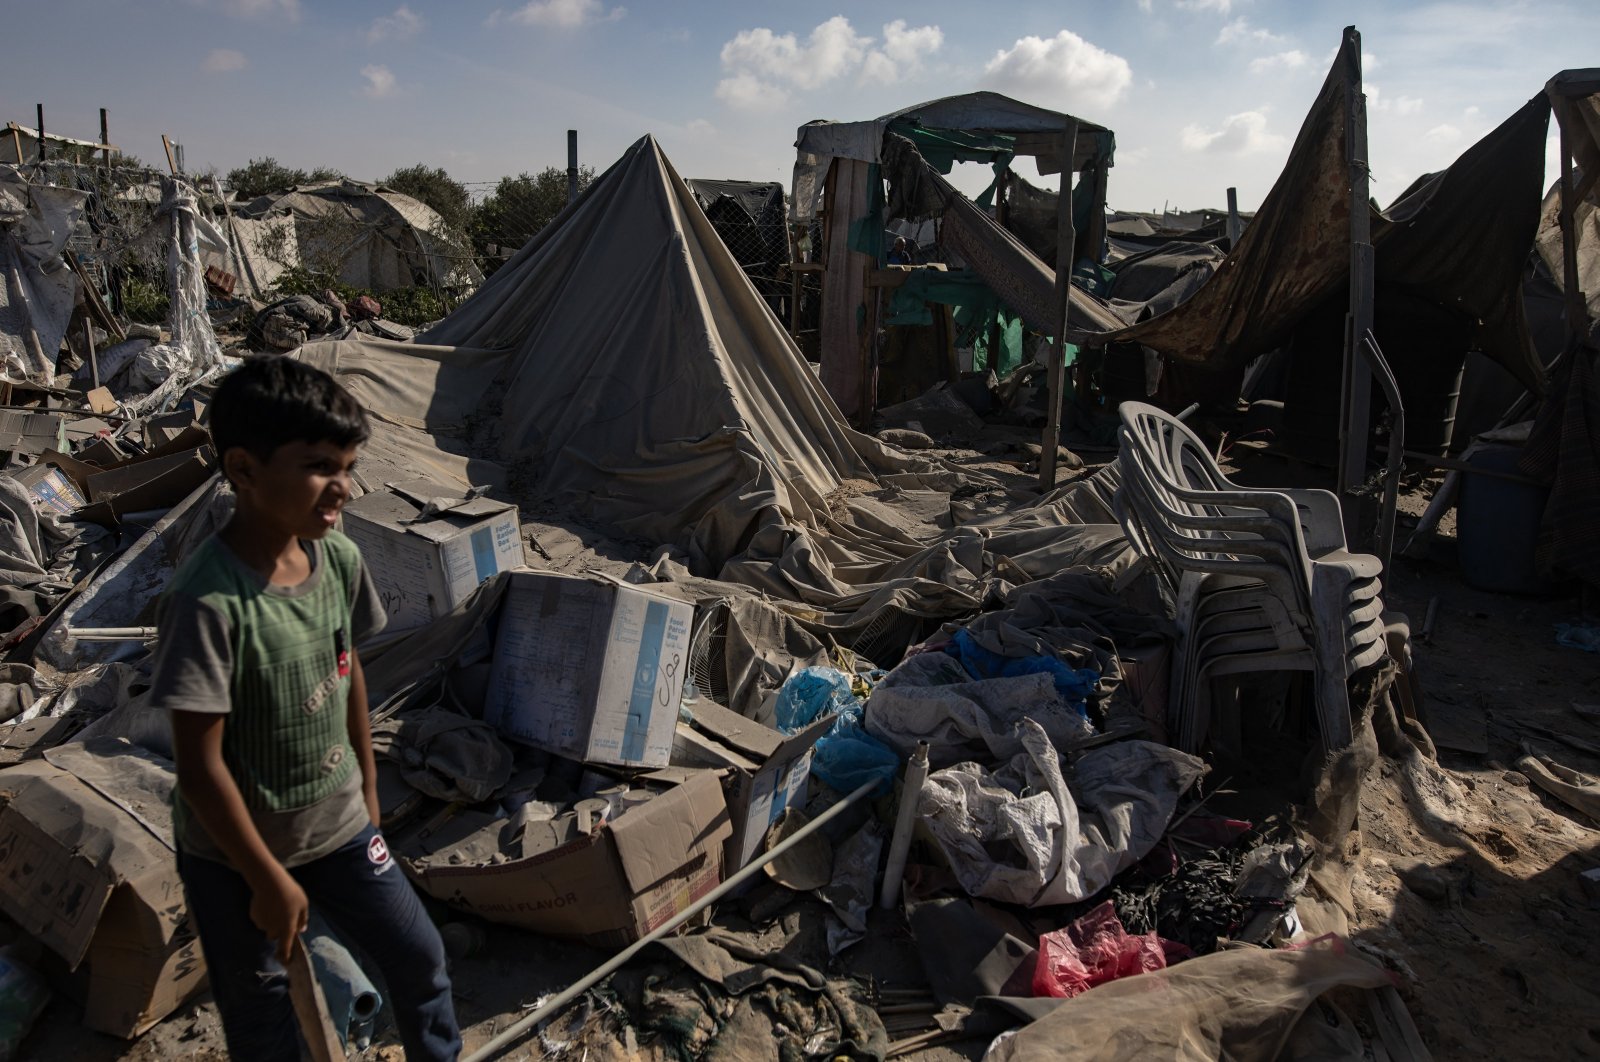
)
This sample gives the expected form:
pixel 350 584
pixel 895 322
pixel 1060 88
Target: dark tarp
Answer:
pixel 1458 239
pixel 1563 450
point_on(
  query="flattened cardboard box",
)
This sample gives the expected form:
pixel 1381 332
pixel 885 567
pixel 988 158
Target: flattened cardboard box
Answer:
pixel 764 771
pixel 429 547
pixel 589 668
pixel 612 886
pixel 84 867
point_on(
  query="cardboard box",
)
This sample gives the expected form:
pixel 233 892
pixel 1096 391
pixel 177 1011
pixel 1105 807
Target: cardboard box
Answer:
pixel 589 668
pixel 29 433
pixel 87 867
pixel 764 771
pixel 428 547
pixel 609 887
pixel 155 482
pixel 52 488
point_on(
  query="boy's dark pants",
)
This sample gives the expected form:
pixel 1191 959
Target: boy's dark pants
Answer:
pixel 362 891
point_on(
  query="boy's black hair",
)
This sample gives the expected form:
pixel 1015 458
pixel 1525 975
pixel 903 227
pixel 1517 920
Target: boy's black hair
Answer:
pixel 273 400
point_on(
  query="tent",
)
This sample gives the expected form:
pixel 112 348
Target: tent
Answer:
pixel 749 216
pixel 369 236
pixel 622 371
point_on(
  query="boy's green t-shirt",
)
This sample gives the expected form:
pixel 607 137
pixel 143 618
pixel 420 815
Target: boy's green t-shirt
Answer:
pixel 276 661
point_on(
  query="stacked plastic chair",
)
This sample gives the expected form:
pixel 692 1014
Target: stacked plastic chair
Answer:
pixel 1262 578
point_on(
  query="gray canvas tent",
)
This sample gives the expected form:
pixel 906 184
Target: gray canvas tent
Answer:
pixel 622 371
pixel 374 237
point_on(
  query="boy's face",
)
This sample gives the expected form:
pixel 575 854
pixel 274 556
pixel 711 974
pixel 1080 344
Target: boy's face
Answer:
pixel 299 489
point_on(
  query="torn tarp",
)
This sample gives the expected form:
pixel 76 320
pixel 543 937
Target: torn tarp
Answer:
pixel 1025 834
pixel 38 292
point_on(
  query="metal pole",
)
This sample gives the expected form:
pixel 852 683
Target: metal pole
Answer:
pixel 572 166
pixel 515 1032
pixel 1066 237
pixel 1356 398
pixel 1235 226
pixel 105 140
pixel 41 132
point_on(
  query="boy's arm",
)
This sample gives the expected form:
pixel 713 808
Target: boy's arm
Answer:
pixel 278 905
pixel 359 723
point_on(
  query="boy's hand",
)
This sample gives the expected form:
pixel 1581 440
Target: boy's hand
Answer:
pixel 280 910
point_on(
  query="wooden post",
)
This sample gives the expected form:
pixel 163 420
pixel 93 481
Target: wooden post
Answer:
pixel 105 142
pixel 172 167
pixel 572 166
pixel 1094 237
pixel 94 360
pixel 1066 239
pixel 1235 226
pixel 16 142
pixel 1356 397
pixel 41 131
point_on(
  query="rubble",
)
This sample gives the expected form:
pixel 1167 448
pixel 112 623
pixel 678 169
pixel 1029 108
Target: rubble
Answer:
pixel 761 654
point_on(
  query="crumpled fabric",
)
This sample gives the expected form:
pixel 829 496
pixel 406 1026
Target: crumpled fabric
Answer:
pixel 37 290
pixel 931 697
pixel 1074 684
pixel 1096 949
pixel 1242 1005
pixel 732 998
pixel 1019 834
pixel 851 893
pixel 447 756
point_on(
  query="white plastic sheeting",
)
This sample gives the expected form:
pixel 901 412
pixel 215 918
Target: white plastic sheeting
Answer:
pixel 39 289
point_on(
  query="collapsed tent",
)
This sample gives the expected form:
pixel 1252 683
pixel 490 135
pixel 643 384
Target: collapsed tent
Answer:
pixel 1457 241
pixel 622 369
pixel 367 235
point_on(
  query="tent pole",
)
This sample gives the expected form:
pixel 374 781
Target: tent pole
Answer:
pixel 1066 237
pixel 1356 398
pixel 1577 313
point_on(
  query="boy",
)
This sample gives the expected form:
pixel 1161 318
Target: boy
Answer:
pixel 276 802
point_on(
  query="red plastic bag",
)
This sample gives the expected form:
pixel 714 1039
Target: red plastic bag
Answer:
pixel 1096 949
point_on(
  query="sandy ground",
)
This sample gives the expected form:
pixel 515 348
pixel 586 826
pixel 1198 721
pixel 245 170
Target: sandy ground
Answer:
pixel 1468 887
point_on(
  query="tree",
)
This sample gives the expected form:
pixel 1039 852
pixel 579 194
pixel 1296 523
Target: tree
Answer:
pixel 433 186
pixel 322 175
pixel 263 177
pixel 518 208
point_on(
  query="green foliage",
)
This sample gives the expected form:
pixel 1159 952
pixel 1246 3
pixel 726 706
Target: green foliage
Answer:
pixel 407 306
pixel 324 174
pixel 433 186
pixel 263 177
pixel 144 301
pixel 518 208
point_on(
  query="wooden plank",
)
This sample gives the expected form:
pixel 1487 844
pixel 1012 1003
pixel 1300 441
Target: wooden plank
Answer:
pixel 311 1008
pixel 1356 396
pixel 844 286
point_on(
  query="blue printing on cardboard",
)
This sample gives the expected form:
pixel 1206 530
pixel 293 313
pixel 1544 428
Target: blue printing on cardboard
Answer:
pixel 644 681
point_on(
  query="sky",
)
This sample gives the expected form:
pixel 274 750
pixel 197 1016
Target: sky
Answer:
pixel 1202 94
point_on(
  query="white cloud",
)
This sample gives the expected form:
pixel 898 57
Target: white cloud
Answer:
pixel 699 127
pixel 380 82
pixel 749 93
pixel 1065 71
pixel 1293 59
pixel 224 60
pixel 561 14
pixel 1239 31
pixel 1240 134
pixel 762 67
pixel 1443 134
pixel 398 26
pixel 1407 105
pixel 1146 6
pixel 1221 7
pixel 902 52
pixel 1471 112
pixel 832 49
pixel 1379 103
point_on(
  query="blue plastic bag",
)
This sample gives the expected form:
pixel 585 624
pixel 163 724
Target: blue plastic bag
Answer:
pixel 811 693
pixel 1074 684
pixel 848 757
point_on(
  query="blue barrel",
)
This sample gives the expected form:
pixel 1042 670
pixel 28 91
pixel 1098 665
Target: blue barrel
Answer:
pixel 1497 524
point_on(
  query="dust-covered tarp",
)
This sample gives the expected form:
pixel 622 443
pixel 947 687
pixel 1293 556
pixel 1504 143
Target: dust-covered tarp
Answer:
pixel 622 369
